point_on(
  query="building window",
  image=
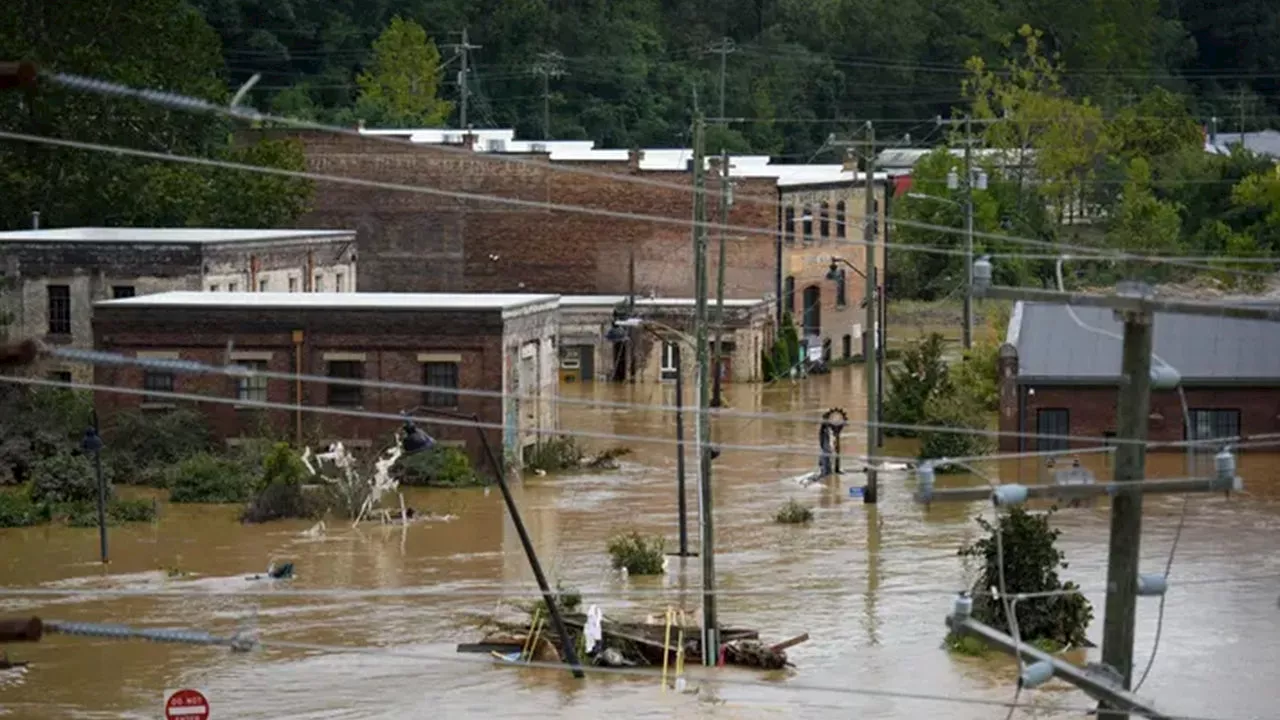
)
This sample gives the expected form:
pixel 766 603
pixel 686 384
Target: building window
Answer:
pixel 842 298
pixel 1214 424
pixel 346 395
pixel 254 387
pixel 789 225
pixel 59 309
pixel 319 285
pixel 571 359
pixel 122 291
pixel 1052 422
pixel 440 375
pixel 824 220
pixel 813 310
pixel 154 381
pixel 293 284
pixel 847 341
pixel 61 376
pixel 807 220
pixel 262 285
pixel 338 284
pixel 213 288
pixel 232 287
pixel 789 295
pixel 840 219
pixel 670 360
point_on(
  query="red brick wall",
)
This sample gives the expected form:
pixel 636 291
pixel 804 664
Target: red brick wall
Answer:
pixel 411 241
pixel 1093 411
pixel 391 342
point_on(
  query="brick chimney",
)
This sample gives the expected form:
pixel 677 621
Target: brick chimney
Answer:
pixel 634 156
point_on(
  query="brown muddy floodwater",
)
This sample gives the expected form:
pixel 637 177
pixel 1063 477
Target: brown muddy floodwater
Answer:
pixel 870 585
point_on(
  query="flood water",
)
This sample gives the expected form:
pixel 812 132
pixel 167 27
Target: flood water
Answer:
pixel 871 585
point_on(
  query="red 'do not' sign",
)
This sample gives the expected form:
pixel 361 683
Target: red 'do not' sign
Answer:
pixel 186 705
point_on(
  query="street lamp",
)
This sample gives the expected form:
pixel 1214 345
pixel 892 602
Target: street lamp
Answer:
pixel 92 443
pixel 882 320
pixel 413 440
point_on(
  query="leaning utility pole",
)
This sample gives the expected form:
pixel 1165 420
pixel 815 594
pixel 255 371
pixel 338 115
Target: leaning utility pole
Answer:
pixel 722 47
pixel 550 64
pixel 1137 307
pixel 726 201
pixel 463 50
pixel 702 429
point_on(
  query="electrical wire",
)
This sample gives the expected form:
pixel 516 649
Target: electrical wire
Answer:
pixel 98 357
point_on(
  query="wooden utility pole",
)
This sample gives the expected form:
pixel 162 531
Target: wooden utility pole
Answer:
pixel 1136 307
pixel 726 200
pixel 464 49
pixel 722 47
pixel 702 429
pixel 870 495
pixel 550 64
pixel 968 232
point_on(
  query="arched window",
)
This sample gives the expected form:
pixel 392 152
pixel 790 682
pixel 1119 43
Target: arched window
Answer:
pixel 840 219
pixel 824 220
pixel 807 218
pixel 812 310
pixel 789 225
pixel 789 295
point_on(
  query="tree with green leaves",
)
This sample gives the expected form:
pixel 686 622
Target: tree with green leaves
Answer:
pixel 400 85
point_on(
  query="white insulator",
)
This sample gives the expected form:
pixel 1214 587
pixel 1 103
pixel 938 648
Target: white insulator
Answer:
pixel 963 607
pixel 925 479
pixel 1036 674
pixel 1224 465
pixel 1152 585
pixel 1164 377
pixel 982 273
pixel 1006 495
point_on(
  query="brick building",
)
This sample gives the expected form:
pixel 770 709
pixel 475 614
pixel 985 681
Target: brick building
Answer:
pixel 423 242
pixel 54 276
pixel 587 354
pixel 1059 378
pixel 502 343
pixel 822 220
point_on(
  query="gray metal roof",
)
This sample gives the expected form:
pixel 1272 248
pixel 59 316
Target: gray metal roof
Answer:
pixel 1263 142
pixel 1052 347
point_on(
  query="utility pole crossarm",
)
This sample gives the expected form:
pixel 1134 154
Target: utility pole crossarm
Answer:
pixel 1011 493
pixel 1093 684
pixel 463 51
pixel 1129 303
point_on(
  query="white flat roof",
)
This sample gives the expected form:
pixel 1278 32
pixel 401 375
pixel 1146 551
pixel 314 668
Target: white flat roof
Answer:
pixel 334 301
pixel 611 300
pixel 164 235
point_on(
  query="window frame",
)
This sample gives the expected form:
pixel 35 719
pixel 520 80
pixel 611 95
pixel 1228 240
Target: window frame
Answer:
pixel 789 225
pixel 58 310
pixel 158 381
pixel 789 295
pixel 441 398
pixel 120 292
pixel 340 395
pixel 252 388
pixel 842 289
pixel 1044 444
pixel 840 219
pixel 1213 417
pixel 669 360
pixel 807 224
pixel 824 219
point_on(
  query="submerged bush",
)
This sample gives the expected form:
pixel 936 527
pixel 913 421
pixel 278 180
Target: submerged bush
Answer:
pixel 143 446
pixel 206 478
pixel 638 554
pixel 558 453
pixel 64 478
pixel 443 466
pixel 17 510
pixel 793 513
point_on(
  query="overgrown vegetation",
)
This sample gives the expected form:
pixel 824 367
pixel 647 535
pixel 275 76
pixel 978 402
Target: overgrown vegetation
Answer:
pixel 207 478
pixel 278 493
pixel 777 361
pixel 924 390
pixel 443 466
pixel 793 513
pixel 561 452
pixel 1031 564
pixel 638 554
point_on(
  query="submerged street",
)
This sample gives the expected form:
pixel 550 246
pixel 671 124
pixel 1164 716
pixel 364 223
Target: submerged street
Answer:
pixel 871 586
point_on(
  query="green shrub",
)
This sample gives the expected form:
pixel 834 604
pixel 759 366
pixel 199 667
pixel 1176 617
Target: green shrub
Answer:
pixel 206 478
pixel 132 510
pixel 283 501
pixel 442 466
pixel 64 478
pixel 556 453
pixel 978 375
pixel 17 510
pixel 966 645
pixel 1031 564
pixel 793 513
pixel 921 377
pixel 960 411
pixel 142 446
pixel 640 555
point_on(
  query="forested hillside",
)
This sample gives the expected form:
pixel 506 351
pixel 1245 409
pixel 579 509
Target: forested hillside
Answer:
pixel 631 67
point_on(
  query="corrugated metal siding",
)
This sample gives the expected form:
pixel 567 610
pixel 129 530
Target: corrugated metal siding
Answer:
pixel 1052 346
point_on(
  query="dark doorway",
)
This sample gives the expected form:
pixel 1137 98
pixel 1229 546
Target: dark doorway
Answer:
pixel 620 362
pixel 813 310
